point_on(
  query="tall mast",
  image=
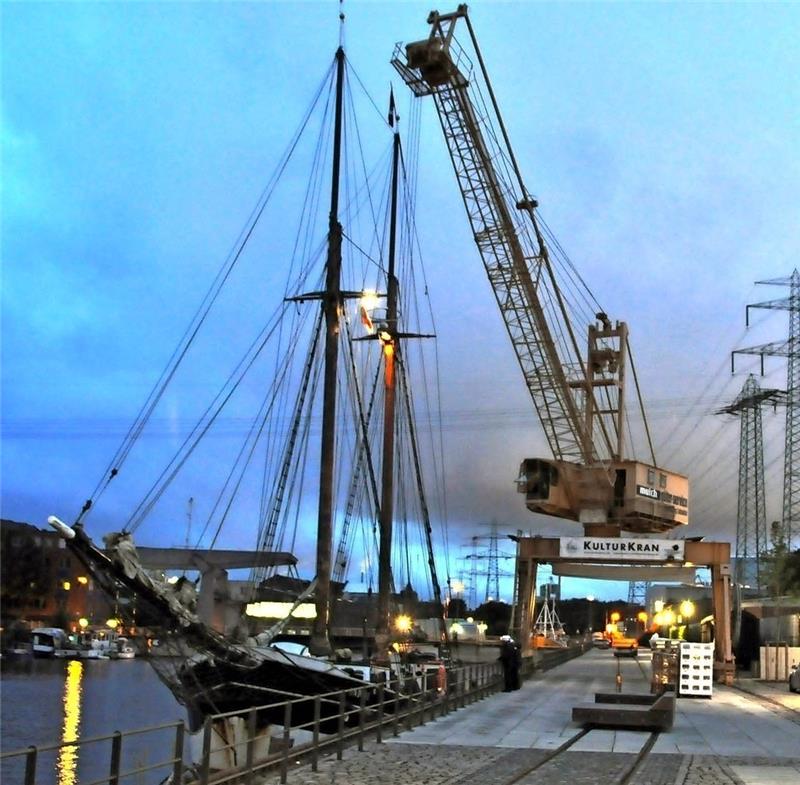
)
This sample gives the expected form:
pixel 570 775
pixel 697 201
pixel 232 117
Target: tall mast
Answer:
pixel 388 339
pixel 331 304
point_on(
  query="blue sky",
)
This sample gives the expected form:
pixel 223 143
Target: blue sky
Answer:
pixel 661 140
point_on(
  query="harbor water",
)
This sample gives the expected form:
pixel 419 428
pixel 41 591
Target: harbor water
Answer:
pixel 51 701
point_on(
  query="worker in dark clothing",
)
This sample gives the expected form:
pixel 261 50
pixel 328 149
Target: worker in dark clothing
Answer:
pixel 510 660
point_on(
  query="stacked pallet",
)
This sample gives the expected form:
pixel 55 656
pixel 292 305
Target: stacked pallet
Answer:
pixel 695 670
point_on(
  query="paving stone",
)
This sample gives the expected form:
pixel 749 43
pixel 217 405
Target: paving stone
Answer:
pixel 724 741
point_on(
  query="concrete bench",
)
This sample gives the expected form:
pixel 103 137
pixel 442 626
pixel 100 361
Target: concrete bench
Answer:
pixel 658 714
pixel 634 698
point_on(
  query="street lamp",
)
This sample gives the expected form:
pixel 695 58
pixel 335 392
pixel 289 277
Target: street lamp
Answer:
pixel 687 609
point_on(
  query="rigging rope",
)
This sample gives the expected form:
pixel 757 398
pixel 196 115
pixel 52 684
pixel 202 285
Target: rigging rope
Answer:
pixel 197 321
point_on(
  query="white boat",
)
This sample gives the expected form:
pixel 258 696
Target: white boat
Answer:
pixel 122 650
pixel 45 641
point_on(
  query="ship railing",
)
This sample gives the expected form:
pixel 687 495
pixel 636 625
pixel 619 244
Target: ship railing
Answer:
pixel 247 749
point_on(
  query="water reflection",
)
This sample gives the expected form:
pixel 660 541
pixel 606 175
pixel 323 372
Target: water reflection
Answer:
pixel 67 764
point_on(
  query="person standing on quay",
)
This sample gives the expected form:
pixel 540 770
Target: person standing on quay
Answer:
pixel 509 658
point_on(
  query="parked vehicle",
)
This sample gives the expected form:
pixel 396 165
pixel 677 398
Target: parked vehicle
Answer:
pixel 794 679
pixel 600 641
pixel 625 647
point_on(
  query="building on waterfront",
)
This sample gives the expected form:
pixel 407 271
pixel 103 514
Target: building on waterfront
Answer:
pixel 43 584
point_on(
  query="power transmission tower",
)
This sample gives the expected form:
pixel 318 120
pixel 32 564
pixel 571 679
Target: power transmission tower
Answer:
pixel 493 567
pixel 637 592
pixel 751 516
pixel 473 575
pixel 791 350
pixel 492 555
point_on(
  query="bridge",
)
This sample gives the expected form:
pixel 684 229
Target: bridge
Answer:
pixel 213 566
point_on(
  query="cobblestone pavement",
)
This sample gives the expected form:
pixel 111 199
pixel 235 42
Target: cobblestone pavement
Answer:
pixel 737 739
pixel 399 764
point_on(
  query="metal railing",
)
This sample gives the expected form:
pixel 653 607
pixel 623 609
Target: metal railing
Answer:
pixel 373 710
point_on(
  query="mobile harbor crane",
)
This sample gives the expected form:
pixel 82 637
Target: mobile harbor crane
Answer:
pixel 579 397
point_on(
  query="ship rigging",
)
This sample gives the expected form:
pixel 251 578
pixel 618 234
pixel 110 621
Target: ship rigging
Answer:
pixel 365 384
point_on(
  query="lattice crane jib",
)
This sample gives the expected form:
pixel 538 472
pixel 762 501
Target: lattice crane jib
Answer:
pixel 578 394
pixel 504 229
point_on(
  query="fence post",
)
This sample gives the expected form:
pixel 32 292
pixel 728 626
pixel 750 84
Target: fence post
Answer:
pixel 116 754
pixel 362 707
pixel 317 716
pixel 287 738
pixel 379 732
pixel 30 766
pixel 177 766
pixel 251 745
pixel 423 696
pixel 205 762
pixel 340 735
pixel 396 721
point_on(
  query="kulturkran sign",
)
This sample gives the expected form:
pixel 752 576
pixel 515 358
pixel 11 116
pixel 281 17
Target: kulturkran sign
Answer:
pixel 620 549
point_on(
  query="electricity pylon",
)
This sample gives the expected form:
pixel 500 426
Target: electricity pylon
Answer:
pixel 637 592
pixel 492 555
pixel 751 517
pixel 791 350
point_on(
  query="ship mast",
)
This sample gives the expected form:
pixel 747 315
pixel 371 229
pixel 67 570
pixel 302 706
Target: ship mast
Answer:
pixel 388 338
pixel 331 303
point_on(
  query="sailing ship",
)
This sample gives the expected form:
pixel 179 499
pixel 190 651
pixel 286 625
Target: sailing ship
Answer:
pixel 232 674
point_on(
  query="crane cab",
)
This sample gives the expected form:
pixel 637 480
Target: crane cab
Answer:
pixel 629 495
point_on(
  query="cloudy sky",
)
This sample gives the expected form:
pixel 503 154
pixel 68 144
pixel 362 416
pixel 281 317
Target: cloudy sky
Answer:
pixel 662 141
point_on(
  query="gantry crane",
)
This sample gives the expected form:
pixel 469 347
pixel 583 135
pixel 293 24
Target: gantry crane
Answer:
pixel 579 396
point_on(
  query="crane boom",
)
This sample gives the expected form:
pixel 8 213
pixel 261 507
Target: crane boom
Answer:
pixel 579 398
pixel 507 235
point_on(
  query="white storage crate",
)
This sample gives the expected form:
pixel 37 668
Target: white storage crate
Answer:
pixel 695 670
